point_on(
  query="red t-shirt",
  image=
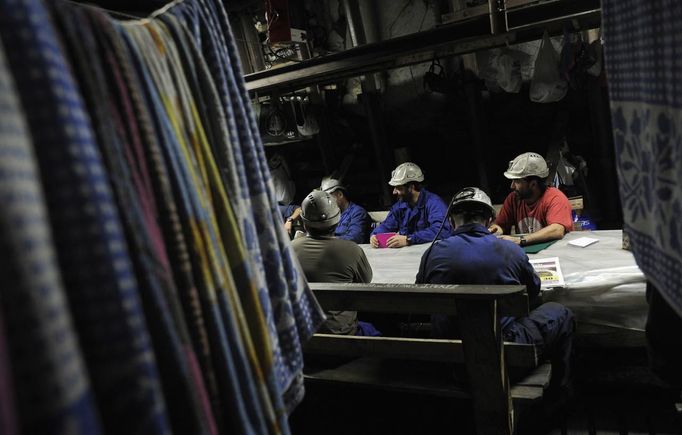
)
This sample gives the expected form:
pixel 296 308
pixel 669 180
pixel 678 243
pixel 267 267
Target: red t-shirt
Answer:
pixel 552 208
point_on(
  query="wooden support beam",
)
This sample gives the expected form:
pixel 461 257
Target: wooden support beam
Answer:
pixel 484 359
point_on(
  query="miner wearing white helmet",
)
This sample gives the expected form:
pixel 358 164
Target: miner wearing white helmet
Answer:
pixel 540 213
pixel 354 223
pixel 325 258
pixel 417 215
pixel 472 255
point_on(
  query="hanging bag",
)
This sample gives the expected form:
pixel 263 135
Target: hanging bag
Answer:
pixel 547 86
pixel 509 63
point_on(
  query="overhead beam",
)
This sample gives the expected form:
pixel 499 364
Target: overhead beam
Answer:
pixel 448 40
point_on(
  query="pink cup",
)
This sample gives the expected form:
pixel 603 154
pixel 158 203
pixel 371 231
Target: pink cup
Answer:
pixel 382 238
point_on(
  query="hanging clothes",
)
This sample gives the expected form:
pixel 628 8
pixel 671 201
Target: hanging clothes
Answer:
pixel 296 314
pixel 644 73
pixel 39 351
pixel 169 218
pixel 99 280
pixel 241 386
pixel 209 110
pixel 187 301
pixel 646 108
pixel 120 145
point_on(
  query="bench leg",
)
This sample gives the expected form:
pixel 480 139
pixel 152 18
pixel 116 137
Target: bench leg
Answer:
pixel 484 360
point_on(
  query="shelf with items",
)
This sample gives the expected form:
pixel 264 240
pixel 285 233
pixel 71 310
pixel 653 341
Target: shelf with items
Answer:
pixel 498 27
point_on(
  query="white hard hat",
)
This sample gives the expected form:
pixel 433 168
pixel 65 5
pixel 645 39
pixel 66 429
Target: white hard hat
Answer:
pixel 331 185
pixel 527 165
pixel 405 173
pixel 319 210
pixel 470 199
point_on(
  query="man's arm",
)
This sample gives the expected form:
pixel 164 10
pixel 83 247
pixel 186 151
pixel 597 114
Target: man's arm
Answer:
pixel 291 219
pixel 496 229
pixel 559 212
pixel 503 222
pixel 357 225
pixel 530 278
pixel 550 232
pixel 435 214
pixel 389 225
pixel 364 274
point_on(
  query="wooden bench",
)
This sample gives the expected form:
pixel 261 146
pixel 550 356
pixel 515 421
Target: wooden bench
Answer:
pixel 428 366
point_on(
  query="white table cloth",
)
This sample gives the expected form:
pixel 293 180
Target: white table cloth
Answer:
pixel 604 286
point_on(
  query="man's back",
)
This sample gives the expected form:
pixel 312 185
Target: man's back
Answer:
pixel 332 260
pixel 328 259
pixel 474 256
pixel 354 224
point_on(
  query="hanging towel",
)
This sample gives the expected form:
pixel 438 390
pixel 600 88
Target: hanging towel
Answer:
pixel 296 313
pixel 209 110
pixel 91 249
pixel 37 338
pixel 205 205
pixel 642 53
pixel 107 98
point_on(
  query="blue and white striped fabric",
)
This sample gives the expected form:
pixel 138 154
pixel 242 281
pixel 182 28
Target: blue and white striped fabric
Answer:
pixel 210 111
pixel 643 53
pixel 200 194
pixel 127 166
pixel 295 313
pixel 91 249
pixel 51 384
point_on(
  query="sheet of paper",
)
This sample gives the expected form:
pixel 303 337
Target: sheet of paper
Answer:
pixel 583 241
pixel 549 271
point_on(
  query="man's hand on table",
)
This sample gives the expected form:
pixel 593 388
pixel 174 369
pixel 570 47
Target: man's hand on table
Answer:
pixel 495 229
pixel 397 241
pixel 516 240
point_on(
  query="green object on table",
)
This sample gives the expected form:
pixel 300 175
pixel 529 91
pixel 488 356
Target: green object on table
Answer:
pixel 534 249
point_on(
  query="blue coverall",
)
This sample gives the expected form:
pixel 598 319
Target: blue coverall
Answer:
pixel 421 222
pixel 474 256
pixel 353 224
pixel 287 210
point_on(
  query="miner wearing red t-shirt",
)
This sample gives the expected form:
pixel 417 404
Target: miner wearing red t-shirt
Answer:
pixel 540 213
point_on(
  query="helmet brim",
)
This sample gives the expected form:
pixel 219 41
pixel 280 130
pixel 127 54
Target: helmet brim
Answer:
pixel 334 189
pixel 395 183
pixel 512 176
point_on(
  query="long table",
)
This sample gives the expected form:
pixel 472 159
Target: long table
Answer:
pixel 604 287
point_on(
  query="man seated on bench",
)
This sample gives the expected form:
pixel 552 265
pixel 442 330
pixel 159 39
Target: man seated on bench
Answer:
pixel 418 213
pixel 324 258
pixel 472 255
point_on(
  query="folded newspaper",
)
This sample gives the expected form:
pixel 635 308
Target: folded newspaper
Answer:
pixel 549 271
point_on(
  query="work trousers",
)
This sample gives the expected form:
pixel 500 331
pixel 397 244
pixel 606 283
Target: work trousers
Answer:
pixel 550 327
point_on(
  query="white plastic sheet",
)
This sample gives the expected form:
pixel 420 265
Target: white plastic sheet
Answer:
pixel 603 286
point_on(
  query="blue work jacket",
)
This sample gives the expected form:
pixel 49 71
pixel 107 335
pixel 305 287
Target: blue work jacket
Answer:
pixel 421 222
pixel 474 256
pixel 286 210
pixel 353 224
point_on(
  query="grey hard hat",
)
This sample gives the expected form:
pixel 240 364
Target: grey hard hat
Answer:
pixel 405 173
pixel 331 185
pixel 319 210
pixel 527 165
pixel 471 199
